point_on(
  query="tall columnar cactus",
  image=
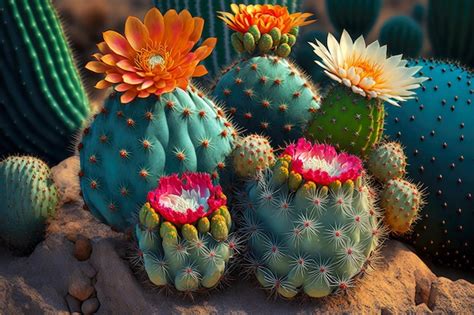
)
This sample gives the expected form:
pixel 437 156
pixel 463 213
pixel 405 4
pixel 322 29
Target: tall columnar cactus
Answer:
pixel 223 54
pixel 387 161
pixel 183 233
pixel 155 125
pixel 42 101
pixel 352 113
pixel 29 198
pixel 355 16
pixel 310 223
pixel 437 129
pixel 402 35
pixel 251 155
pixel 266 93
pixel 450 30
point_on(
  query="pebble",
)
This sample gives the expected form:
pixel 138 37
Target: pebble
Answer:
pixel 90 306
pixel 82 248
pixel 80 286
pixel 73 304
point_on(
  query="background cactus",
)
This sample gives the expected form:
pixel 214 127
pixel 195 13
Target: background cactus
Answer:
pixel 387 161
pixel 418 13
pixel 436 129
pixel 29 197
pixel 42 101
pixel 402 35
pixel 355 16
pixel 450 30
pixel 223 54
pixel 128 147
pixel 251 155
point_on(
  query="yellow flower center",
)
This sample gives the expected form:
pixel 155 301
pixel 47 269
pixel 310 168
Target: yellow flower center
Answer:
pixel 151 58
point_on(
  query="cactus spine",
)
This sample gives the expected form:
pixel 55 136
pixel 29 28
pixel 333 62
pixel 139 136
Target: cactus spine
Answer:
pixel 387 161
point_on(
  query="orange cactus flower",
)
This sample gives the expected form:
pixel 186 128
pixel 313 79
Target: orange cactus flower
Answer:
pixel 266 17
pixel 153 57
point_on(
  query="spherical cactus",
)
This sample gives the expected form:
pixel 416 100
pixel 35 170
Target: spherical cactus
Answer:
pixel 155 125
pixel 387 161
pixel 251 155
pixel 355 16
pixel 402 35
pixel 352 113
pixel 418 13
pixel 401 201
pixel 310 222
pixel 183 233
pixel 266 93
pixel 42 101
pixel 29 198
pixel 436 129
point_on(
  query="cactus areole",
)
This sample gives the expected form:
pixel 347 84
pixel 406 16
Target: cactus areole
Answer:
pixel 156 123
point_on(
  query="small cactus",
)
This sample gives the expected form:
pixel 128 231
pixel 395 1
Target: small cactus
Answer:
pixel 251 155
pixel 387 161
pixel 402 35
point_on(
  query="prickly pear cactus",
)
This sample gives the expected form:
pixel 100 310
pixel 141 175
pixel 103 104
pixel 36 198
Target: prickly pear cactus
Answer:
pixel 309 222
pixel 29 198
pixel 183 233
pixel 401 201
pixel 402 35
pixel 42 101
pixel 251 155
pixel 387 161
pixel 436 130
pixel 265 93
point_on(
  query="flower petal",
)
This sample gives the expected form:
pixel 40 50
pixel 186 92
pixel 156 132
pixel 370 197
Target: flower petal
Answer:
pixel 118 44
pixel 155 24
pixel 136 33
pixel 128 96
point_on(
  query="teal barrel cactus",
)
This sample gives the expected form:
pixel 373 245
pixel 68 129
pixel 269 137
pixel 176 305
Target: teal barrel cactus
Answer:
pixel 355 16
pixel 402 35
pixel 309 222
pixel 29 198
pixel 387 161
pixel 183 233
pixel 450 28
pixel 418 13
pixel 42 101
pixel 252 154
pixel 437 129
pixel 264 92
pixel 223 54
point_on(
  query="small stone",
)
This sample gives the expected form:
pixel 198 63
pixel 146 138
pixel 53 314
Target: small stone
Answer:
pixel 73 304
pixel 87 270
pixel 82 248
pixel 90 306
pixel 80 286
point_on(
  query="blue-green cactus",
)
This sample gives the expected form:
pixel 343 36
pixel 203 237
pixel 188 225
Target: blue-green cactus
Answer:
pixel 42 101
pixel 355 16
pixel 387 161
pixel 402 35
pixel 450 28
pixel 29 198
pixel 128 147
pixel 418 13
pixel 437 129
pixel 268 95
pixel 223 54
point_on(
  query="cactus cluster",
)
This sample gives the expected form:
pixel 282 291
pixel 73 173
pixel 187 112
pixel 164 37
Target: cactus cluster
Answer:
pixel 402 35
pixel 436 129
pixel 29 198
pixel 42 101
pixel 387 161
pixel 251 155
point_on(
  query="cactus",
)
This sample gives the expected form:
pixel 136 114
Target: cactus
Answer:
pixel 224 54
pixel 310 222
pixel 450 30
pixel 42 101
pixel 401 201
pixel 387 161
pixel 184 246
pixel 402 35
pixel 251 155
pixel 418 13
pixel 29 198
pixel 436 130
pixel 355 16
pixel 267 94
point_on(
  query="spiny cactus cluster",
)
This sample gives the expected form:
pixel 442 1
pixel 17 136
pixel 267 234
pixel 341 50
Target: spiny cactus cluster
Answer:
pixel 42 101
pixel 251 155
pixel 387 161
pixel 29 198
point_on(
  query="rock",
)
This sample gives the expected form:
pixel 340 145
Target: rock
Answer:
pixel 90 306
pixel 66 179
pixel 422 309
pixel 87 270
pixel 82 248
pixel 73 304
pixel 80 286
pixel 454 297
pixel 423 286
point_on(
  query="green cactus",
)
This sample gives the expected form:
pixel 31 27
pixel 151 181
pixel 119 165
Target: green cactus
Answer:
pixel 358 130
pixel 251 155
pixel 42 101
pixel 185 257
pixel 387 161
pixel 402 35
pixel 355 16
pixel 29 198
pixel 401 201
pixel 223 53
pixel 128 147
pixel 450 30
pixel 418 13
